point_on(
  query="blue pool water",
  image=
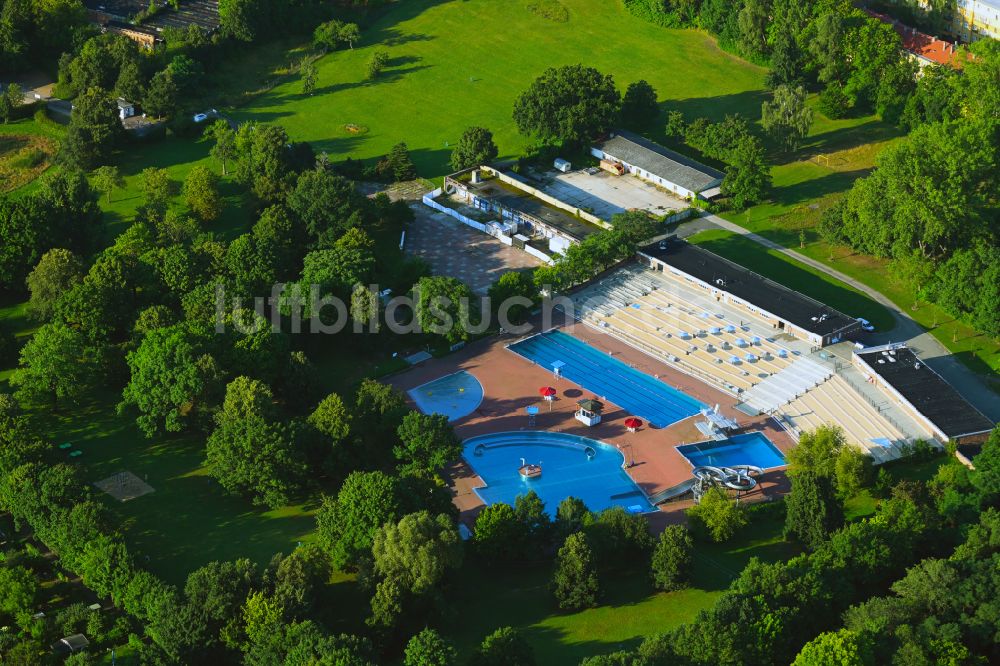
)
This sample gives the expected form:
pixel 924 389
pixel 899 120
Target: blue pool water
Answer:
pixel 571 466
pixel 605 376
pixel 454 395
pixel 750 449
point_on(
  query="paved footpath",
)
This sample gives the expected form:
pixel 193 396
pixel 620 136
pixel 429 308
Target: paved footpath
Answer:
pixel 932 352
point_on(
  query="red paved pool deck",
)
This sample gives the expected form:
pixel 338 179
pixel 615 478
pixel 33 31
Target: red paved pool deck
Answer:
pixel 511 383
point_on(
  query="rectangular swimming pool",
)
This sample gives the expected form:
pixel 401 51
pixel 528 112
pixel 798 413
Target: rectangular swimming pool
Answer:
pixel 753 448
pixel 605 376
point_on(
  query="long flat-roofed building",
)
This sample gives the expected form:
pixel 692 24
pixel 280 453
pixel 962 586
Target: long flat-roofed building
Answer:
pixel 924 394
pixel 786 310
pixel 661 166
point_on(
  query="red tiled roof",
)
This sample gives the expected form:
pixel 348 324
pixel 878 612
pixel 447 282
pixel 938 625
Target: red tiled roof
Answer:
pixel 920 44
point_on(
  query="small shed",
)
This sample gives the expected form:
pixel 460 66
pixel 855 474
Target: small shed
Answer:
pixel 126 109
pixel 70 644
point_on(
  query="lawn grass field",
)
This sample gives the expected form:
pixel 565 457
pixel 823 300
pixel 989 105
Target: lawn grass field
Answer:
pixel 805 279
pixel 458 63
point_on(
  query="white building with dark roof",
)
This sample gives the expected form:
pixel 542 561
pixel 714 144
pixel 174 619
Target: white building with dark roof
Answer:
pixel 658 165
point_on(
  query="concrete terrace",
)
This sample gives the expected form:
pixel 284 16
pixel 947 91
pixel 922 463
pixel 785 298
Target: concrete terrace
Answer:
pixel 511 384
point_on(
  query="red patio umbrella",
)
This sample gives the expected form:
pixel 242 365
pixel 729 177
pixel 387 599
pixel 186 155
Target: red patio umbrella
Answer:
pixel 548 393
pixel 632 423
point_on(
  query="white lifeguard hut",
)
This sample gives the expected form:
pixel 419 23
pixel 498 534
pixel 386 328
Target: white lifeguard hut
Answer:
pixel 589 412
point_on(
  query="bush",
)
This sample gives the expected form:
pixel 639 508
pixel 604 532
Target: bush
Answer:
pixel 377 63
pixel 716 517
pixel 552 10
pixel 834 102
pixel 673 559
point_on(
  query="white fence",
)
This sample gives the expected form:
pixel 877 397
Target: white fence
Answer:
pixel 538 254
pixel 492 229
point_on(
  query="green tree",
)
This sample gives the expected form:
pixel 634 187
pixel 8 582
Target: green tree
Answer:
pixel 639 108
pixel 55 365
pixel 843 648
pixel 509 286
pixel 170 376
pixel 94 131
pixel 752 20
pixel 817 451
pixel 813 510
pixel 264 160
pixel 716 517
pixel 747 176
pixel 327 204
pixel 428 649
pixel 397 165
pixel 365 307
pixel 427 443
pixel 201 193
pixel 309 74
pixel 575 583
pixel 786 117
pixel 377 63
pixel 673 559
pixel 107 179
pixel 156 186
pixel 475 148
pixel 675 124
pixel 162 95
pixel 571 104
pixel 11 100
pixel 18 591
pixel 346 525
pixel 443 307
pixel 326 36
pixel 498 537
pixel 853 470
pixel 505 647
pixel 224 148
pixel 240 19
pixel 786 62
pixel 350 33
pixel 418 551
pixel 248 452
pixel 56 273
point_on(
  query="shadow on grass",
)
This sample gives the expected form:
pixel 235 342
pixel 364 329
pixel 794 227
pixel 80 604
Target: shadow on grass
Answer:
pixel 815 188
pixel 747 104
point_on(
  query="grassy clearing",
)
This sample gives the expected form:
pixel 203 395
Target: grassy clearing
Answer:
pixel 27 149
pixel 631 610
pixel 188 520
pixel 454 64
pixel 802 278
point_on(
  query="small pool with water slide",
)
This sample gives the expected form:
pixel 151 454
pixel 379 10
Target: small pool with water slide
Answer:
pixel 752 448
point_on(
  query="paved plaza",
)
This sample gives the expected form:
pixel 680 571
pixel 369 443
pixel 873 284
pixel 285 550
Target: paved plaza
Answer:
pixel 455 250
